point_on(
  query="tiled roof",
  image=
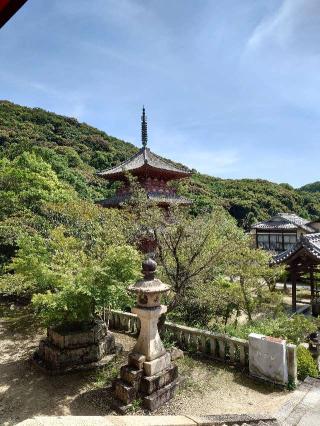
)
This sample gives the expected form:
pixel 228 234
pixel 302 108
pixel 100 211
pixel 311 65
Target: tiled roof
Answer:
pixel 157 197
pixel 276 225
pixel 284 221
pixel 310 243
pixel 144 157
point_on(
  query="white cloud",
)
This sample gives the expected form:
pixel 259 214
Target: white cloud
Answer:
pixel 295 25
pixel 214 163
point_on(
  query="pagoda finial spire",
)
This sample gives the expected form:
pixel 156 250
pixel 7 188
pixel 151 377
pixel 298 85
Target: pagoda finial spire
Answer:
pixel 144 128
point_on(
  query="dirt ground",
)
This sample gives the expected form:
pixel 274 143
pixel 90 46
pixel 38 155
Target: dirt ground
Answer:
pixel 25 392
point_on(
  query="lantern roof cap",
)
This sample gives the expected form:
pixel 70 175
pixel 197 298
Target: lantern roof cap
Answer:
pixel 149 284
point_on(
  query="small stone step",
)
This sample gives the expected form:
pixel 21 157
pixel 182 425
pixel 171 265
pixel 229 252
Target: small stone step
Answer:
pixel 124 392
pixel 131 375
pixel 160 397
pixel 150 384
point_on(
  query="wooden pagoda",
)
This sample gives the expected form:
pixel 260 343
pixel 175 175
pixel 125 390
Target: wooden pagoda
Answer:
pixel 303 264
pixel 152 172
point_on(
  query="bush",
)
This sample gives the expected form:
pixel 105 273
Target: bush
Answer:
pixel 193 312
pixel 306 364
pixel 294 329
pixel 69 284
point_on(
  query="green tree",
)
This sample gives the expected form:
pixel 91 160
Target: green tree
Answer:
pixel 27 182
pixel 193 251
pixel 251 272
pixel 68 284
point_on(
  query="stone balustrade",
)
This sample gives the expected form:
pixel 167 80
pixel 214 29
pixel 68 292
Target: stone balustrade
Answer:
pixel 219 346
pixel 124 321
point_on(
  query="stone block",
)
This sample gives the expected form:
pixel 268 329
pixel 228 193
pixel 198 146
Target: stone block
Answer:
pixel 268 358
pixel 153 367
pixel 160 397
pixel 55 338
pixel 176 353
pixel 136 360
pixel 150 384
pixel 56 357
pixel 131 420
pixel 77 338
pixel 100 331
pixel 124 392
pixel 131 375
pixel 109 343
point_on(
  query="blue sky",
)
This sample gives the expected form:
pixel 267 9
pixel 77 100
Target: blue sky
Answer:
pixel 231 87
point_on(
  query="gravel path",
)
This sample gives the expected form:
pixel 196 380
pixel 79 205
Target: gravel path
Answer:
pixel 26 392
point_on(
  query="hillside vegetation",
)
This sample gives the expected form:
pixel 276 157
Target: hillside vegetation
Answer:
pixel 311 187
pixel 71 152
pixel 73 259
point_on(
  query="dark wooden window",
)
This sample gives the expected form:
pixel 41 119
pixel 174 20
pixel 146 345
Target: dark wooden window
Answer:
pixel 263 241
pixel 276 241
pixel 289 241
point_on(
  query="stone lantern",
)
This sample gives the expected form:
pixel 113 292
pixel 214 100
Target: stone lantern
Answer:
pixel 149 374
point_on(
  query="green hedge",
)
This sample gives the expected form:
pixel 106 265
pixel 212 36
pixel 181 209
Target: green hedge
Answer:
pixel 306 364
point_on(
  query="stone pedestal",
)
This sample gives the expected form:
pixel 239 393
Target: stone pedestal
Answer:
pixel 149 343
pixel 149 374
pixel 155 383
pixel 69 350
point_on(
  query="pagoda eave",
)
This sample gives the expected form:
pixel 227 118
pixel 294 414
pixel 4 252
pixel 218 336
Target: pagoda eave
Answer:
pixel 144 172
pixel 162 200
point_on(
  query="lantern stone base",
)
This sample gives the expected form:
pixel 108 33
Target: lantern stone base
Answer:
pixel 154 383
pixel 64 351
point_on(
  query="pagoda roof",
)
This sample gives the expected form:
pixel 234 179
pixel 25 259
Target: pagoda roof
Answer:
pixel 308 244
pixel 158 197
pixel 145 162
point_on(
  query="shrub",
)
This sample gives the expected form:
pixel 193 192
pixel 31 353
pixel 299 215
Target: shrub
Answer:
pixel 67 283
pixel 306 364
pixel 294 329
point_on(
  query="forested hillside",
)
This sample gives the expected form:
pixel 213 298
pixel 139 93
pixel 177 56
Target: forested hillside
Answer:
pixel 311 187
pixel 70 153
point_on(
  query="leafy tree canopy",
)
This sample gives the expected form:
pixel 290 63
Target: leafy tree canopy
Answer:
pixel 75 151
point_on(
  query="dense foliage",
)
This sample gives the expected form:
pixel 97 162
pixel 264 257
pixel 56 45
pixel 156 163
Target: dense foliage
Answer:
pixel 75 151
pixel 76 259
pixel 306 364
pixel 311 187
pixel 67 282
pixel 251 200
pixel 294 329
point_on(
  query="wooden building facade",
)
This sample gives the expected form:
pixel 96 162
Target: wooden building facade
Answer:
pixel 303 265
pixel 282 231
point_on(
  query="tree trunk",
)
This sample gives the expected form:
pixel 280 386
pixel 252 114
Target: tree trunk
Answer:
pixel 245 299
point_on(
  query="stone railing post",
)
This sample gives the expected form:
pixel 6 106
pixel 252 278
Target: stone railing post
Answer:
pixel 292 363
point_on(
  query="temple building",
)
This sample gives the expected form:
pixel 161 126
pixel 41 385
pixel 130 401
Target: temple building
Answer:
pixel 302 262
pixel 152 172
pixel 282 231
